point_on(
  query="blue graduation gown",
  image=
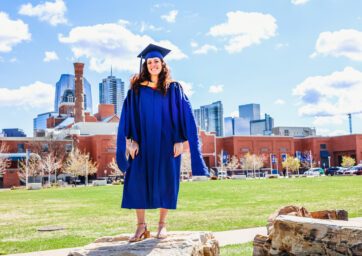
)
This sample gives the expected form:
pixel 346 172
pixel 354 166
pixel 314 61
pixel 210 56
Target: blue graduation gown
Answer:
pixel 156 122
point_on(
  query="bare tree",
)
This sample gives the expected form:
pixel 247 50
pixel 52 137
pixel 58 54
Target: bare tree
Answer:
pixel 79 164
pixel 233 163
pixel 34 166
pixel 51 164
pixel 114 167
pixel 186 163
pixel 252 162
pixel 4 162
pixel 291 163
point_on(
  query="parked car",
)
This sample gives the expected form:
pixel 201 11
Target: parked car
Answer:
pixel 332 170
pixel 341 170
pixel 355 170
pixel 314 172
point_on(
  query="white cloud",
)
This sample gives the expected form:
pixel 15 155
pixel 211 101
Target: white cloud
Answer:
pixel 149 27
pixel 345 42
pixel 330 120
pixel 194 44
pixel 12 32
pixel 51 12
pixel 281 45
pixel 299 2
pixel 244 29
pixel 216 88
pixel 170 17
pixel 49 56
pixel 187 87
pixel 279 102
pixel 205 49
pixel 13 60
pixel 113 44
pixel 328 132
pixel 38 94
pixel 234 113
pixel 332 95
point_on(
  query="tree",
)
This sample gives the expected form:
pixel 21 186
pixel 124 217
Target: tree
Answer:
pixel 4 162
pixel 291 163
pixel 34 166
pixel 348 161
pixel 79 164
pixel 252 162
pixel 114 167
pixel 233 163
pixel 51 164
pixel 186 163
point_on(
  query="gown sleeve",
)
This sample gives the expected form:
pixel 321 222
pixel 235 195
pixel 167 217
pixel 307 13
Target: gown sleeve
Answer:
pixel 186 129
pixel 127 129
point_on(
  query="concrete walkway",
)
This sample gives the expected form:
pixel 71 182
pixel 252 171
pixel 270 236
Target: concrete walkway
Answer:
pixel 224 237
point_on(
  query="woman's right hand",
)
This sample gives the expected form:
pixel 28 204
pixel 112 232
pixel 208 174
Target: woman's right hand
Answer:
pixel 133 148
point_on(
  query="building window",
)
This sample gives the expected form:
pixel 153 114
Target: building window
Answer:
pixel 323 146
pixel 21 148
pixel 68 148
pixel 282 149
pixel 286 132
pixel 45 147
pixel 245 149
pixel 264 150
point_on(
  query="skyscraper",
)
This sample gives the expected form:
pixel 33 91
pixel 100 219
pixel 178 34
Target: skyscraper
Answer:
pixel 247 113
pixel 262 126
pixel 211 118
pixel 65 92
pixel 112 91
pixel 250 111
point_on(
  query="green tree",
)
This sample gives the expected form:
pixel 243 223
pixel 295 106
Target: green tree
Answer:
pixel 348 161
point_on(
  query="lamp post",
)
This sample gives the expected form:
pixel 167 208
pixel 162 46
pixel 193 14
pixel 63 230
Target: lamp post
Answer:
pixel 86 170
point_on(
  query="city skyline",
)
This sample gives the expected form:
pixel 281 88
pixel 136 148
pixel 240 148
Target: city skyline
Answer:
pixel 300 60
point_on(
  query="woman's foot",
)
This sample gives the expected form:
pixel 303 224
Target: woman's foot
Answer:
pixel 162 232
pixel 141 233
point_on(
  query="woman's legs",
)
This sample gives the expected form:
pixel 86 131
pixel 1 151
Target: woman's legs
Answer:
pixel 141 225
pixel 162 233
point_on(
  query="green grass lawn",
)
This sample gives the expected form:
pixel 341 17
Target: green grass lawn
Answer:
pixel 245 249
pixel 90 212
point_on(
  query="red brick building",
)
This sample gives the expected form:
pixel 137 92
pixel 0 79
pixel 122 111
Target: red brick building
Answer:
pixel 324 149
pixel 102 149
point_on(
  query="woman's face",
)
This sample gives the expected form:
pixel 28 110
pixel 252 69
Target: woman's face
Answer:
pixel 154 66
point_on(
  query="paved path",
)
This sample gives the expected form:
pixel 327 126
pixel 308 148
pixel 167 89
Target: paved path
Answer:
pixel 224 237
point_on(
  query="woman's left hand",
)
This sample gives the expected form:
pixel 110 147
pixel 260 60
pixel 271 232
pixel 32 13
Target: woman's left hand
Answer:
pixel 178 149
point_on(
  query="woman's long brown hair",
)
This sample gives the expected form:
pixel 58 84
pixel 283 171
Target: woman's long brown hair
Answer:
pixel 164 78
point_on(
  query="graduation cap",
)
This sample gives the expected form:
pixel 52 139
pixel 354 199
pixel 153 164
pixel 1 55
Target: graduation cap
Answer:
pixel 153 51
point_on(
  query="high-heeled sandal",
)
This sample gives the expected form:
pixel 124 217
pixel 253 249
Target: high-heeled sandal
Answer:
pixel 159 234
pixel 146 234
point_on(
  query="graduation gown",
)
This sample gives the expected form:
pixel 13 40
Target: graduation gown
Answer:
pixel 156 122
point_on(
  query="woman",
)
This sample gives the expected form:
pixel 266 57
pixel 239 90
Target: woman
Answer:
pixel 156 119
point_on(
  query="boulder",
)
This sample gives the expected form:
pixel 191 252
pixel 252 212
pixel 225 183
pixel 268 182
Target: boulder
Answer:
pixel 177 244
pixel 286 210
pixel 293 235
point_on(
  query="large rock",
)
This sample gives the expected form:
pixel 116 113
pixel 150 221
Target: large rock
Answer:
pixel 176 244
pixel 292 235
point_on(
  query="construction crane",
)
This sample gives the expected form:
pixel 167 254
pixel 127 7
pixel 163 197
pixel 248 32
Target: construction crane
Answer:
pixel 349 117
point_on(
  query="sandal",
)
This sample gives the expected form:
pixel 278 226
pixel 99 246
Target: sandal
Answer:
pixel 160 234
pixel 145 234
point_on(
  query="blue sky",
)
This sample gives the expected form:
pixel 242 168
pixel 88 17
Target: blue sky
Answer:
pixel 301 60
